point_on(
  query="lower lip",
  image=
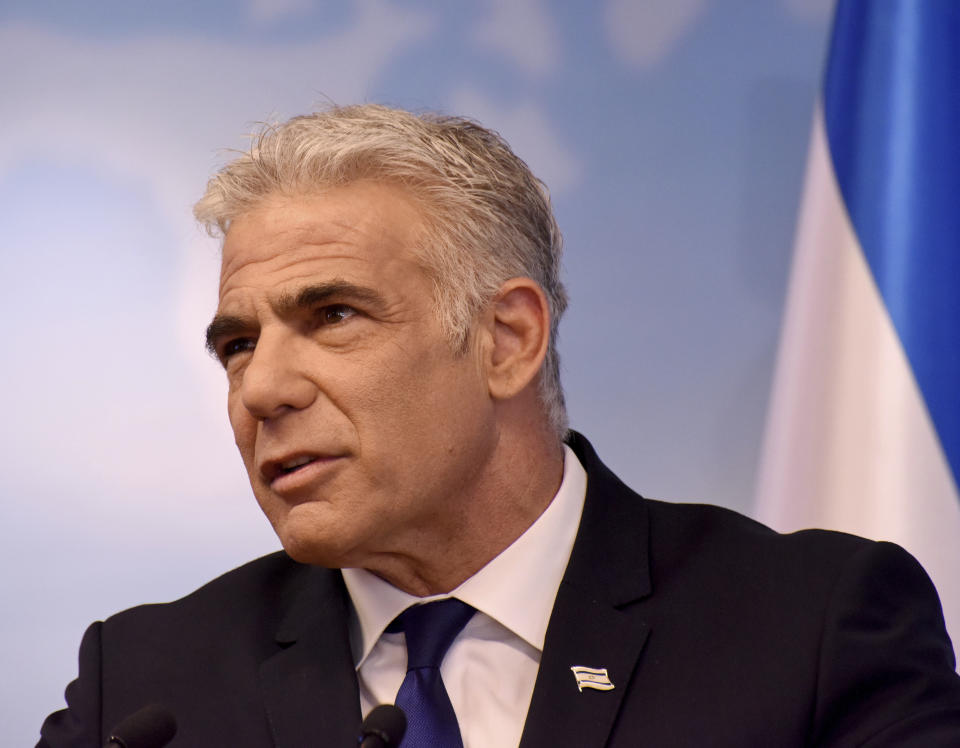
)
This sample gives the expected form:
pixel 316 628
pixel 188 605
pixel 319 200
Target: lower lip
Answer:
pixel 304 477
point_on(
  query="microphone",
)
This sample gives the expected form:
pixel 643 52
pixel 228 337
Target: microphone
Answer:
pixel 153 726
pixel 383 727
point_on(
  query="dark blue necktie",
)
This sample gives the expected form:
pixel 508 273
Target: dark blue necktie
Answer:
pixel 430 630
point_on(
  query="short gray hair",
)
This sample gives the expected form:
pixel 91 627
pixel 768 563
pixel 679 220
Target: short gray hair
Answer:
pixel 488 218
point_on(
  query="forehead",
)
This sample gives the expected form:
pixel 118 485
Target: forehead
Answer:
pixel 364 228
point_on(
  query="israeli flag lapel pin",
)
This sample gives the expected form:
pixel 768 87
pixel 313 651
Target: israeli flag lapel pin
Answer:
pixel 592 677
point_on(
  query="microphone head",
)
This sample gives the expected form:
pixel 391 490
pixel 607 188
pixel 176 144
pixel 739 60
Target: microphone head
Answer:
pixel 385 723
pixel 153 726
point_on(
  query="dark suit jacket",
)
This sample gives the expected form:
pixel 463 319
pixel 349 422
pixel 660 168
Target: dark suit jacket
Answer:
pixel 715 631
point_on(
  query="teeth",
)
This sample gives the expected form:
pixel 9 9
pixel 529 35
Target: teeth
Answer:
pixel 295 463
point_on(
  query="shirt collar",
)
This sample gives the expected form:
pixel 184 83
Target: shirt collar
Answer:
pixel 517 588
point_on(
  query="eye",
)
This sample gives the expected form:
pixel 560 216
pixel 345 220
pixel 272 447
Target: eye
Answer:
pixel 234 346
pixel 334 314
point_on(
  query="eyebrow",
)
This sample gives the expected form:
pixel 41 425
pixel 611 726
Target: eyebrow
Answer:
pixel 223 326
pixel 318 293
pixel 289 304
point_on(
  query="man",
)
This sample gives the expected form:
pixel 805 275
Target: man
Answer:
pixel 387 320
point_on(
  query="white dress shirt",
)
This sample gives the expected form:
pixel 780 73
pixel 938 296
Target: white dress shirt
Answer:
pixel 490 669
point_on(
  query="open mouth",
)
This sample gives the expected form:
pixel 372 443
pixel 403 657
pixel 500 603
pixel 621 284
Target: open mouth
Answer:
pixel 274 469
pixel 291 466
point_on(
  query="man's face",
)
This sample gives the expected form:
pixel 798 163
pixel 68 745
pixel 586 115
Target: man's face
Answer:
pixel 359 425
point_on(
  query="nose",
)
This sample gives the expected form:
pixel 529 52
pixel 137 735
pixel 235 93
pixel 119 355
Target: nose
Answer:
pixel 276 379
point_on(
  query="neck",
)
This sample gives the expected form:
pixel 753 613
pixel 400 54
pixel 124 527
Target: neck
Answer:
pixel 512 491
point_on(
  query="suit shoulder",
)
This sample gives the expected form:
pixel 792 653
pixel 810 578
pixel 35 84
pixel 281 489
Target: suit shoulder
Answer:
pixel 700 519
pixel 244 594
pixel 733 543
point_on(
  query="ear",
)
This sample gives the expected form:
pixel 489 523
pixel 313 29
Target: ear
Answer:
pixel 520 326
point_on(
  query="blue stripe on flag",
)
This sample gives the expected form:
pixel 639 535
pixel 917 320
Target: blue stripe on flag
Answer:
pixel 892 112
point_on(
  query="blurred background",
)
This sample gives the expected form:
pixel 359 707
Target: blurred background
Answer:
pixel 672 134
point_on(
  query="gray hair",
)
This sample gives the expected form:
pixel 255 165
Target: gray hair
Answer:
pixel 487 217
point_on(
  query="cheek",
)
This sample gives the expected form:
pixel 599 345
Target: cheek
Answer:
pixel 372 389
pixel 432 397
pixel 244 427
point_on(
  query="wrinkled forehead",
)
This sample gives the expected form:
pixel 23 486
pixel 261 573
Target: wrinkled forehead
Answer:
pixel 363 218
pixel 362 233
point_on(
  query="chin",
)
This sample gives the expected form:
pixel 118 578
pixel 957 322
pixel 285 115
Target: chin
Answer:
pixel 312 554
pixel 306 546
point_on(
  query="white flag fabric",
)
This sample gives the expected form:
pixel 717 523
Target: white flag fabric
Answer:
pixel 863 430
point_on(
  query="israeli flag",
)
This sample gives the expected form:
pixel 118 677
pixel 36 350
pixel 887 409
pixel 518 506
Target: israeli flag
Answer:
pixel 863 431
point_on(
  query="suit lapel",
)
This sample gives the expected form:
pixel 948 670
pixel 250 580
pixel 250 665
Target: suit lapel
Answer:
pixel 594 622
pixel 309 686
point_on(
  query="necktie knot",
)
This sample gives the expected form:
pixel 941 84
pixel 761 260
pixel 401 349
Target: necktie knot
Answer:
pixel 430 630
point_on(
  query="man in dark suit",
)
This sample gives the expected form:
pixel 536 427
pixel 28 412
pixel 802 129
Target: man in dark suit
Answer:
pixel 389 301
